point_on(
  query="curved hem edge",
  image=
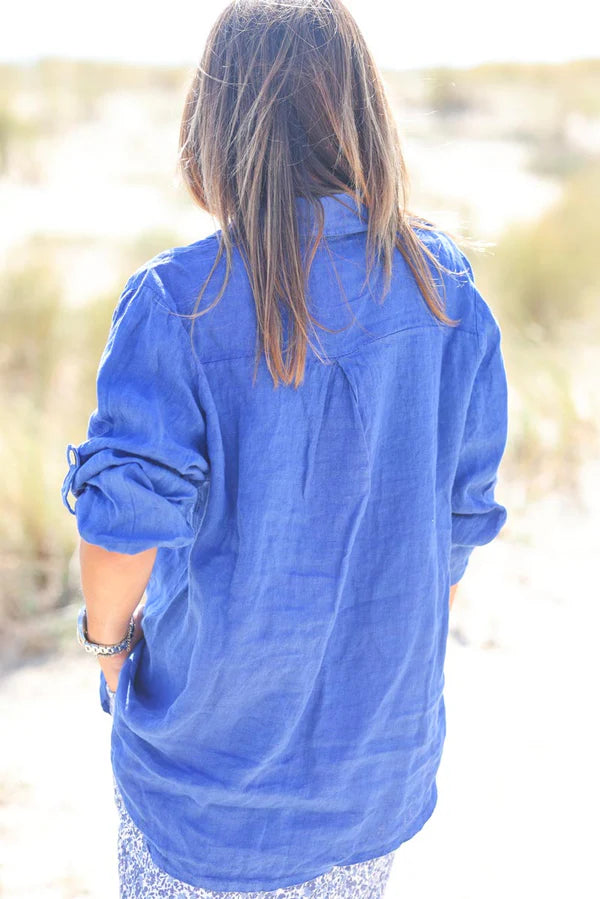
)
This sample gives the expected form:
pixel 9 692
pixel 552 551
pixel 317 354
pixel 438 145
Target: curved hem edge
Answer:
pixel 219 885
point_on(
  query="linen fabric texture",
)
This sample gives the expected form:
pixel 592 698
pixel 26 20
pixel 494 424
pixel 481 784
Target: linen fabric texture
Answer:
pixel 141 878
pixel 284 710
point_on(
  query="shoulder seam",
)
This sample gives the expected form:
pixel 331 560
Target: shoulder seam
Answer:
pixel 172 313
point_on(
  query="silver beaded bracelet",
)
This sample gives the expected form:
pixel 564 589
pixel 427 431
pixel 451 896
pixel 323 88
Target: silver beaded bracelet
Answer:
pixel 102 649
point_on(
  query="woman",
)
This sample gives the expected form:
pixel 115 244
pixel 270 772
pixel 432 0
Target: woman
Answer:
pixel 298 525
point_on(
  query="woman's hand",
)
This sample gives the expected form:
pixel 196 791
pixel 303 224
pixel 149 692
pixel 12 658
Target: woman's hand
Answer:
pixel 111 665
pixel 453 590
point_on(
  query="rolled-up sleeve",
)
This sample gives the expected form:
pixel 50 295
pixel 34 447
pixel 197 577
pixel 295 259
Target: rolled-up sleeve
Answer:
pixel 476 515
pixel 137 477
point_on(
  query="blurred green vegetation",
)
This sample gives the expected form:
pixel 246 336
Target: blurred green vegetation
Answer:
pixel 40 100
pixel 49 356
pixel 547 273
pixel 447 93
pixel 572 86
pixel 60 92
pixel 543 283
pixel 44 395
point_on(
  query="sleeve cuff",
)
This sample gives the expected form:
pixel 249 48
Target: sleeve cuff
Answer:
pixel 128 505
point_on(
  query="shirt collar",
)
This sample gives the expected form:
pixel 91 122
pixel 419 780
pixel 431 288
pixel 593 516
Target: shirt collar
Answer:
pixel 343 215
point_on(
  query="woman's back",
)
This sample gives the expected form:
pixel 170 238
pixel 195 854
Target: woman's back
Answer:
pixel 285 708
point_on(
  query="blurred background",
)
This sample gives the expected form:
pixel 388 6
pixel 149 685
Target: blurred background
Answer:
pixel 500 125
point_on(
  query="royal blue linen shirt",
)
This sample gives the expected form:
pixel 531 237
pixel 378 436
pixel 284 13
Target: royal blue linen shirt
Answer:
pixel 284 709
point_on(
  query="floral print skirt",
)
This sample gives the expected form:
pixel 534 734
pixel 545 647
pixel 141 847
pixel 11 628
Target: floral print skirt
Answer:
pixel 141 878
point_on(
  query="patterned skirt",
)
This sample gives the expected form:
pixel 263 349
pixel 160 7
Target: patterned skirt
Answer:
pixel 141 878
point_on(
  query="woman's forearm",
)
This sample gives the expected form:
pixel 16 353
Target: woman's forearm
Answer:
pixel 113 585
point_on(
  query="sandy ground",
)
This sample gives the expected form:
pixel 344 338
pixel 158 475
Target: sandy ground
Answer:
pixel 518 785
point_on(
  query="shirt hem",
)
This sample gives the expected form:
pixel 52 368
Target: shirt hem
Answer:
pixel 232 885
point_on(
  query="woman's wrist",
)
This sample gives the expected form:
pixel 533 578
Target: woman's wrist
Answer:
pixel 106 632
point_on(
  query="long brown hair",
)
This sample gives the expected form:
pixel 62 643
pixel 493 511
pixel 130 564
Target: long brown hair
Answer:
pixel 287 102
